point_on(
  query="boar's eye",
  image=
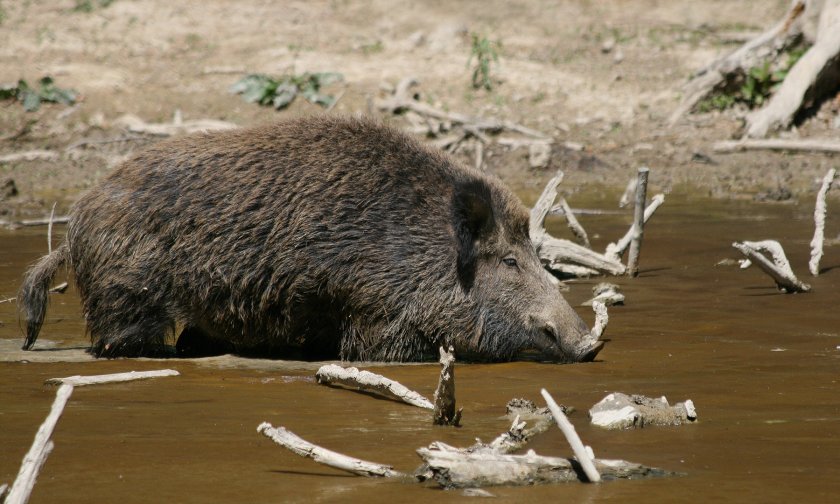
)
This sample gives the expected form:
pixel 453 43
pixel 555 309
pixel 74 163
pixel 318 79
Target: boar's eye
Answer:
pixel 510 261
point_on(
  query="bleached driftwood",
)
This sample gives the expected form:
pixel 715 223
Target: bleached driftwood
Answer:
pixel 638 222
pixel 572 437
pixel 31 155
pixel 562 255
pixel 401 100
pixel 821 62
pixel 819 223
pixel 136 125
pixel 580 234
pixel 602 318
pixel 606 293
pixel 763 47
pixel 353 378
pixel 628 192
pixel 444 409
pixel 63 219
pixel 783 144
pixel 300 446
pixel 615 250
pixel 49 229
pixel 622 411
pixel 453 468
pixel 81 381
pixel 778 269
pixel 41 447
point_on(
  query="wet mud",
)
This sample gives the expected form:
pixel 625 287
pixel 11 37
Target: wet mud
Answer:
pixel 761 367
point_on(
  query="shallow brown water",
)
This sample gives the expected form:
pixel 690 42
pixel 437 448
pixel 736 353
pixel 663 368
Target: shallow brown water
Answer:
pixel 761 367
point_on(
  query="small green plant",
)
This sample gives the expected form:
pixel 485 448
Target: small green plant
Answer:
pixel 32 98
pixel 485 53
pixel 759 83
pixel 279 93
pixel 372 48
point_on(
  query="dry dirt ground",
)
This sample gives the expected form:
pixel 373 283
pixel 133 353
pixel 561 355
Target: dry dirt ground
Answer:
pixel 605 109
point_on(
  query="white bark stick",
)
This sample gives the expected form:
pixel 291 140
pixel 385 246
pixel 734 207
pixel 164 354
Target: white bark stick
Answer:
pixel 638 223
pixel 557 254
pixel 34 459
pixel 788 99
pixel 615 250
pixel 370 382
pixel 49 229
pixel 580 233
pixel 778 269
pixel 300 446
pixel 602 318
pixel 819 223
pixel 804 145
pixel 628 192
pixel 573 438
pixel 541 209
pixel 80 381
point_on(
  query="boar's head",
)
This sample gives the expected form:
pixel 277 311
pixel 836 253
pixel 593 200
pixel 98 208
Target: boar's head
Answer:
pixel 518 310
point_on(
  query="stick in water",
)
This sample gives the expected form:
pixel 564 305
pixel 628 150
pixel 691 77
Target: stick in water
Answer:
pixel 79 381
pixel 37 454
pixel 370 382
pixel 300 446
pixel 49 229
pixel 638 223
pixel 573 438
pixel 819 223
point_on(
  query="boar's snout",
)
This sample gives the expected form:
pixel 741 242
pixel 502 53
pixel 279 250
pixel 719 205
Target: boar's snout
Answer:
pixel 564 336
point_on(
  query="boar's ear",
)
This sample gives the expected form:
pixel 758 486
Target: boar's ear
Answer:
pixel 474 220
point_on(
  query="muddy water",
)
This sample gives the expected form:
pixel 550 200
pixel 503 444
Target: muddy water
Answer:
pixel 761 367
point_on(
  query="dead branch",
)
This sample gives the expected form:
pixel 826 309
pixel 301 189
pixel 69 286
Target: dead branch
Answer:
pixel 779 269
pixel 638 223
pixel 453 468
pixel 58 289
pixel 580 234
pixel 295 444
pixel 628 192
pixel 136 125
pixel 622 411
pixel 445 413
pixel 63 219
pixel 819 223
pixel 41 447
pixel 602 318
pixel 81 381
pixel 607 293
pixel 401 101
pixel 820 62
pixel 31 155
pixel 572 437
pixel 804 145
pixel 615 250
pixel 353 378
pixel 561 255
pixel 765 46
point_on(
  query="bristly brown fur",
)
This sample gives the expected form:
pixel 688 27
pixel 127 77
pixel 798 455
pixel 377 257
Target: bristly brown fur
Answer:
pixel 330 237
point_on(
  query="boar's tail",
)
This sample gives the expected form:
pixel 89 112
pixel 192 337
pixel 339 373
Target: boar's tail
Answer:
pixel 34 292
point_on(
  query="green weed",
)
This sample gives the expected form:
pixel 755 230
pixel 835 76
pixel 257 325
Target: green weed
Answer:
pixel 279 93
pixel 32 98
pixel 485 53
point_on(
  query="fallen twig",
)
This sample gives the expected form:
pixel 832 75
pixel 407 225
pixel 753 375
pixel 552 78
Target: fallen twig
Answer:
pixel 638 223
pixel 561 255
pixel 572 437
pixel 41 447
pixel 80 381
pixel 803 145
pixel 332 374
pixel 606 293
pixel 779 269
pixel 580 234
pixel 819 223
pixel 602 318
pixel 445 412
pixel 58 289
pixel 63 219
pixel 300 446
pixel 136 125
pixel 31 155
pixel 49 229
